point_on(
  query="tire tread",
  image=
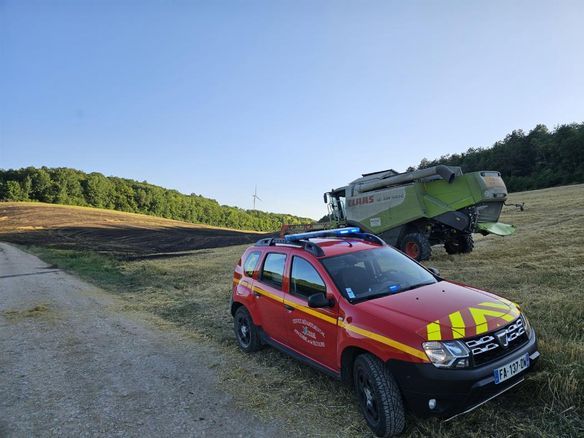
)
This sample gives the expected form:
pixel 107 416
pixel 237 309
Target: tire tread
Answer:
pixel 393 409
pixel 423 244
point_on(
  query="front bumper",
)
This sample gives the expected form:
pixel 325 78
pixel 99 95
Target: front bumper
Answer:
pixel 457 390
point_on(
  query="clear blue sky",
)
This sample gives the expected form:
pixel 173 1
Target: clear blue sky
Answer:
pixel 213 97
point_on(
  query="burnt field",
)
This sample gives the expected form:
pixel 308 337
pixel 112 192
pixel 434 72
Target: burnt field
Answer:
pixel 124 235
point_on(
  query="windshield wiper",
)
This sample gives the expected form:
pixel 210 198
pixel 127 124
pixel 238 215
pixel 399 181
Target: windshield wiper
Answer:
pixel 373 296
pixel 388 292
pixel 417 285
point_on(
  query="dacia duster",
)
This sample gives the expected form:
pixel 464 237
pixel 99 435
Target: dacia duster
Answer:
pixel 348 304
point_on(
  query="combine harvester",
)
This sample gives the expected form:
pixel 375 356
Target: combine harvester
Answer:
pixel 414 210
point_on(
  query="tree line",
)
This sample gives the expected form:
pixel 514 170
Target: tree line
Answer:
pixel 74 187
pixel 536 160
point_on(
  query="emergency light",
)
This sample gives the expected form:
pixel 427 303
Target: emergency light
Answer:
pixel 336 232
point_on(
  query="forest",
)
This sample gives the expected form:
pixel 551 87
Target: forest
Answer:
pixel 536 160
pixel 74 187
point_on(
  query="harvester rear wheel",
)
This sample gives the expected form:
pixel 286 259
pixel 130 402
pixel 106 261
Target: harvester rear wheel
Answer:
pixel 417 246
pixel 459 244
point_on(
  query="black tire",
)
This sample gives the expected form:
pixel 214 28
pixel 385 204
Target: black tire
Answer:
pixel 378 396
pixel 416 245
pixel 459 244
pixel 246 332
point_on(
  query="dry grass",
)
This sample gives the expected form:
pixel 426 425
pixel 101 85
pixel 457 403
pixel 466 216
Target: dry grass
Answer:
pixel 40 310
pixel 541 268
pixel 38 215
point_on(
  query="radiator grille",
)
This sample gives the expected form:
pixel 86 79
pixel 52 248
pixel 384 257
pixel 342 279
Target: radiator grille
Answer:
pixel 496 344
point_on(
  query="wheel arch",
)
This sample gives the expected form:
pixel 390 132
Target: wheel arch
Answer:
pixel 249 305
pixel 234 306
pixel 348 357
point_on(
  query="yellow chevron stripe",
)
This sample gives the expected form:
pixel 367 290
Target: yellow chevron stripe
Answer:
pixel 384 340
pixel 511 307
pixel 433 330
pixel 496 305
pixel 479 316
pixel 457 323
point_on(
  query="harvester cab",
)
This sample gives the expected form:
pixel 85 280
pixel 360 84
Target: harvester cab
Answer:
pixel 415 210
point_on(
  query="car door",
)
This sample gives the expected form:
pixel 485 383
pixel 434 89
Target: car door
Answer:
pixel 269 295
pixel 311 332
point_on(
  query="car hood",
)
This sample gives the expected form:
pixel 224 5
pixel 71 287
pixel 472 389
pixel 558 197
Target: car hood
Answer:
pixel 442 311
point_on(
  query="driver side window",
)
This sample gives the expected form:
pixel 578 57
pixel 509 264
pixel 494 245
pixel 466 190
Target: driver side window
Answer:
pixel 305 280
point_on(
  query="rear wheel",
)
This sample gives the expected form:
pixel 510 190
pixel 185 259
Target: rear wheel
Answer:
pixel 459 244
pixel 378 395
pixel 246 332
pixel 417 246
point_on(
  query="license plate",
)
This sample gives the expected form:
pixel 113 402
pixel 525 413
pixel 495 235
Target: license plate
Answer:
pixel 511 369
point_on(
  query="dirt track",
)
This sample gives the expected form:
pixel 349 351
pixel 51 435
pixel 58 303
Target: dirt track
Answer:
pixel 73 363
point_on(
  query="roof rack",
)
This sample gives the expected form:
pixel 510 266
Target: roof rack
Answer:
pixel 301 240
pixel 304 244
pixel 369 237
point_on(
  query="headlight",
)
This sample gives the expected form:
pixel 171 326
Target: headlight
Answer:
pixel 526 325
pixel 447 354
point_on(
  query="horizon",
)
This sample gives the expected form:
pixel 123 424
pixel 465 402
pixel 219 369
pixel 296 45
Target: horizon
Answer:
pixel 259 209
pixel 296 98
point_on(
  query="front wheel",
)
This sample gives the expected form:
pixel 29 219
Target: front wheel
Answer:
pixel 379 398
pixel 417 246
pixel 246 332
pixel 459 244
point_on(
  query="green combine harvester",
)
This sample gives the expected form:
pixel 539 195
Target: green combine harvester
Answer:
pixel 415 210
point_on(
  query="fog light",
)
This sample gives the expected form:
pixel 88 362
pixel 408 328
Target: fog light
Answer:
pixel 432 403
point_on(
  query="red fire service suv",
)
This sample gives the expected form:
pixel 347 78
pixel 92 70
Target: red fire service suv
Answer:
pixel 348 304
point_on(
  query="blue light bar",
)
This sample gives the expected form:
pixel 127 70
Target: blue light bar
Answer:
pixel 336 232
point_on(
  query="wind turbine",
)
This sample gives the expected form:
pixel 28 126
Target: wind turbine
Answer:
pixel 255 196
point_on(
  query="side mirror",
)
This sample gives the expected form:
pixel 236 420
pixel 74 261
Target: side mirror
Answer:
pixel 434 271
pixel 319 300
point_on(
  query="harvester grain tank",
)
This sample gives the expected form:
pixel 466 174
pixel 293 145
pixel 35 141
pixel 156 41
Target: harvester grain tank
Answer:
pixel 415 210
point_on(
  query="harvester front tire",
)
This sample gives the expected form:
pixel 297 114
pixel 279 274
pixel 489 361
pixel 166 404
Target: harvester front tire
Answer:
pixel 417 246
pixel 460 244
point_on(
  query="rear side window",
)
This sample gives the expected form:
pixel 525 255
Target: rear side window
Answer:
pixel 305 280
pixel 274 269
pixel 251 262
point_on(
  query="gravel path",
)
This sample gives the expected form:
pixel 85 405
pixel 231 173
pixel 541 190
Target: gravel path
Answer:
pixel 72 363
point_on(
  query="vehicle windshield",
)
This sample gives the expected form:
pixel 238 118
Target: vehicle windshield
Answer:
pixel 369 274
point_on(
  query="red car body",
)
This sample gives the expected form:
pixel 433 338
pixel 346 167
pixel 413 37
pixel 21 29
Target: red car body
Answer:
pixel 392 327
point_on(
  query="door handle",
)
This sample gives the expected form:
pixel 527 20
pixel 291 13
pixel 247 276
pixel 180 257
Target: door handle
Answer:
pixel 255 294
pixel 289 308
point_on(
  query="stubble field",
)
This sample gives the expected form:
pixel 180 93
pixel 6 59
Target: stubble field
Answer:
pixel 541 268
